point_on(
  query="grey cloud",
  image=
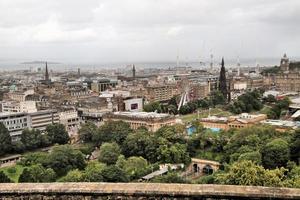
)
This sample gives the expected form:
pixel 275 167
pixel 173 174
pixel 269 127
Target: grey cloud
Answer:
pixel 137 30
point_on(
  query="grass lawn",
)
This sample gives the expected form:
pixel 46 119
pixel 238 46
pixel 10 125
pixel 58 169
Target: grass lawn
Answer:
pixel 205 113
pixel 13 172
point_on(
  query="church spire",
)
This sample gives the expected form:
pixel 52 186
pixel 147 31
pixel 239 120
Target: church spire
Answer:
pixel 46 73
pixel 222 80
pixel 133 71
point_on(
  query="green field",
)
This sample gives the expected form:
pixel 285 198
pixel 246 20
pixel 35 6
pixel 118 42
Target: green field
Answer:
pixel 13 172
pixel 205 113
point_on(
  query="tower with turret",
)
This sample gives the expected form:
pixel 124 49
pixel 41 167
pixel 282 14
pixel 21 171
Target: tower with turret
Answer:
pixel 284 63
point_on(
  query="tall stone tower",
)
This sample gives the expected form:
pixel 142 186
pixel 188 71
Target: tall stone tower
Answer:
pixel 47 74
pixel 222 80
pixel 284 63
pixel 78 73
pixel 133 71
pixel 211 61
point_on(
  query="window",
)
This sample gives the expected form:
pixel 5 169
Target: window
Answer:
pixel 134 106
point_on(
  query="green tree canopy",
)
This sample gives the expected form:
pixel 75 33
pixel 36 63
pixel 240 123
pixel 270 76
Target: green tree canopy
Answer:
pixel 254 156
pixel 275 154
pixel 87 131
pixel 64 158
pixel 171 177
pixel 5 140
pixel 112 173
pixel 57 134
pixel 32 139
pixel 141 143
pixel 254 138
pixel 109 153
pixel 34 158
pixel 134 167
pixel 93 170
pixel 248 173
pixel 73 176
pixel 112 131
pixel 4 178
pixel 295 147
pixel 37 174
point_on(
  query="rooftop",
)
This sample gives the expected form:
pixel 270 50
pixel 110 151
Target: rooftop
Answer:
pixel 142 114
pixel 282 123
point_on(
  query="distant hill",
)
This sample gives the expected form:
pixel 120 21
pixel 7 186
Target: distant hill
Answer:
pixel 39 62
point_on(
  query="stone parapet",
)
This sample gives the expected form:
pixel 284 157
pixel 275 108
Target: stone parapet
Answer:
pixel 72 191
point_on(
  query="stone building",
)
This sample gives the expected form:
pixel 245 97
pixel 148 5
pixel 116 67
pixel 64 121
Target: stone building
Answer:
pixel 288 78
pixel 103 84
pixel 41 119
pixel 152 121
pixel 161 92
pixel 240 121
pixel 199 90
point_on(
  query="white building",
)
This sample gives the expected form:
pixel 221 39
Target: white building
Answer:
pixel 20 96
pixel 240 86
pixel 41 119
pixel 134 105
pixel 17 107
pixel 15 123
pixel 70 119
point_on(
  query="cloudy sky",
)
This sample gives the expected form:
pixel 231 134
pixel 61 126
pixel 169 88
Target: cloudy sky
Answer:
pixel 93 31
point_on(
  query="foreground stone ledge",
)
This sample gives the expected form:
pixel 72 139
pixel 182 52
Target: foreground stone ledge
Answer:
pixel 140 191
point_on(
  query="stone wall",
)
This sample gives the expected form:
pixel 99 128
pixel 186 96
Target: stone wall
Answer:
pixel 133 191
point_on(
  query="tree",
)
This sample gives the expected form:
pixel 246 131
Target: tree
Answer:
pixel 73 176
pixel 113 173
pixel 253 138
pixel 217 98
pixel 254 156
pixel 172 153
pixel 141 143
pixel 242 173
pixel 275 154
pixel 270 99
pixel 87 131
pixel 34 158
pixel 135 167
pixel 37 174
pixel 172 133
pixel 112 131
pixel 5 140
pixel 185 109
pixel 64 158
pixel 25 176
pixel 295 147
pixel 151 107
pixel 57 134
pixel 18 147
pixel 109 153
pixel 4 178
pixel 171 177
pixel 222 81
pixel 293 176
pixel 32 139
pixel 92 172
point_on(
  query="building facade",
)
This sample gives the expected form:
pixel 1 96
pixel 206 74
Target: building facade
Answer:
pixel 152 121
pixel 240 121
pixel 161 92
pixel 15 123
pixel 41 119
